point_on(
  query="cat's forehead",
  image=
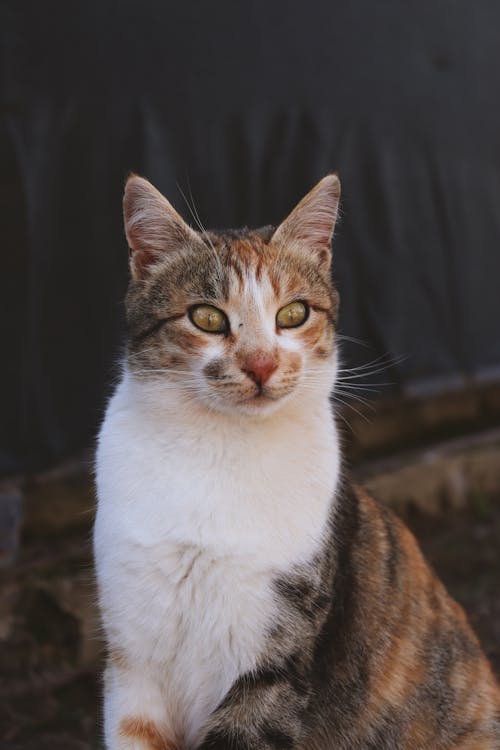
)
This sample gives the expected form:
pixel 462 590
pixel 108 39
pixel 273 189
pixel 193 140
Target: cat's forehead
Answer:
pixel 256 268
pixel 248 263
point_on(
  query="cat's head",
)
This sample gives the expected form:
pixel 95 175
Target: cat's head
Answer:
pixel 238 321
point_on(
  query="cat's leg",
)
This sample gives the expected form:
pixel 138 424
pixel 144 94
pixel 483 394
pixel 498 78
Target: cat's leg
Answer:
pixel 260 713
pixel 134 710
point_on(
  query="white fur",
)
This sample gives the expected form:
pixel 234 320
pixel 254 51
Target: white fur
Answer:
pixel 198 512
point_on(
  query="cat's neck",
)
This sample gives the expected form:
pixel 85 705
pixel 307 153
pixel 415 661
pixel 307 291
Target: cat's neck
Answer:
pixel 216 475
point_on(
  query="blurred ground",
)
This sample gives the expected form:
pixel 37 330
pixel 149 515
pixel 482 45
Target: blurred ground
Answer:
pixel 464 550
pixel 49 647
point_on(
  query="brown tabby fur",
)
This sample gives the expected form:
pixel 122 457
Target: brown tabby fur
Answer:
pixel 370 652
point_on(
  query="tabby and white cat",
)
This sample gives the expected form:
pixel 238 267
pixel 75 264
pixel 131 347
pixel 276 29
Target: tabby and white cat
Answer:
pixel 250 596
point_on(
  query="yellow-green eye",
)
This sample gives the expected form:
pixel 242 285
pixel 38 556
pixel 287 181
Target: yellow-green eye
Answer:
pixel 209 319
pixel 292 315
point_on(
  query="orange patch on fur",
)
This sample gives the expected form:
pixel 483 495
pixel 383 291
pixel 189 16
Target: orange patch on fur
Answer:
pixel 312 332
pixel 147 732
pixel 249 252
pixel 321 352
pixel 291 362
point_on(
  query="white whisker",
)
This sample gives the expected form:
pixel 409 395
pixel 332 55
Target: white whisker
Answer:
pixel 205 236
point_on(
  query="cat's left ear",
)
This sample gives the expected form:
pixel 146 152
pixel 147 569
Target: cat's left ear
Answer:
pixel 312 221
pixel 152 225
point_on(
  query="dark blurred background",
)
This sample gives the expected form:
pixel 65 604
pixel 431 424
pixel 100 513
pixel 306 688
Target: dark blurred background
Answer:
pixel 243 107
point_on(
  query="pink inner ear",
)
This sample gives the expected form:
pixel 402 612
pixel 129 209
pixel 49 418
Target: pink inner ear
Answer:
pixel 152 225
pixel 312 221
pixel 146 247
pixel 315 226
pixel 141 260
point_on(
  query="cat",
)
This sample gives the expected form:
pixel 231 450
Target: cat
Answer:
pixel 251 595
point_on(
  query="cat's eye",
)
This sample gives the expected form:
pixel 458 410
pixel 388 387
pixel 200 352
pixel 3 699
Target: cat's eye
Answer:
pixel 209 319
pixel 292 315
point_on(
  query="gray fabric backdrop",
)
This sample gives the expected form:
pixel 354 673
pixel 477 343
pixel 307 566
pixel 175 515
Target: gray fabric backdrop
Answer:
pixel 245 106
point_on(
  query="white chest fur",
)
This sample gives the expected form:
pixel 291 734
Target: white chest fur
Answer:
pixel 196 516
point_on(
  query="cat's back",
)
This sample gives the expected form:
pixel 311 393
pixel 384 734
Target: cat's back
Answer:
pixel 409 671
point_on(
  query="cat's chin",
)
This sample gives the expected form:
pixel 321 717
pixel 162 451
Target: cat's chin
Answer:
pixel 260 405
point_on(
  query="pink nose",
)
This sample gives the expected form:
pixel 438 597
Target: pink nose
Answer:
pixel 259 367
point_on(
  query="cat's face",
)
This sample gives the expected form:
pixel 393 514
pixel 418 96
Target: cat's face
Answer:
pixel 238 321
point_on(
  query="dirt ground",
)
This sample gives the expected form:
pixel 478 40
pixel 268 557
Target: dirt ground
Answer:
pixel 48 701
pixel 464 550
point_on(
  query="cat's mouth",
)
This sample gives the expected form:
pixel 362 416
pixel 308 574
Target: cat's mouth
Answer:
pixel 260 396
pixel 254 399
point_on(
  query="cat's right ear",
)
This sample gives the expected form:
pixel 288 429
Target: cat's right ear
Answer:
pixel 312 221
pixel 152 225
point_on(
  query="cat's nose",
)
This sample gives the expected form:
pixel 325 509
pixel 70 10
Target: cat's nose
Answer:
pixel 259 367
